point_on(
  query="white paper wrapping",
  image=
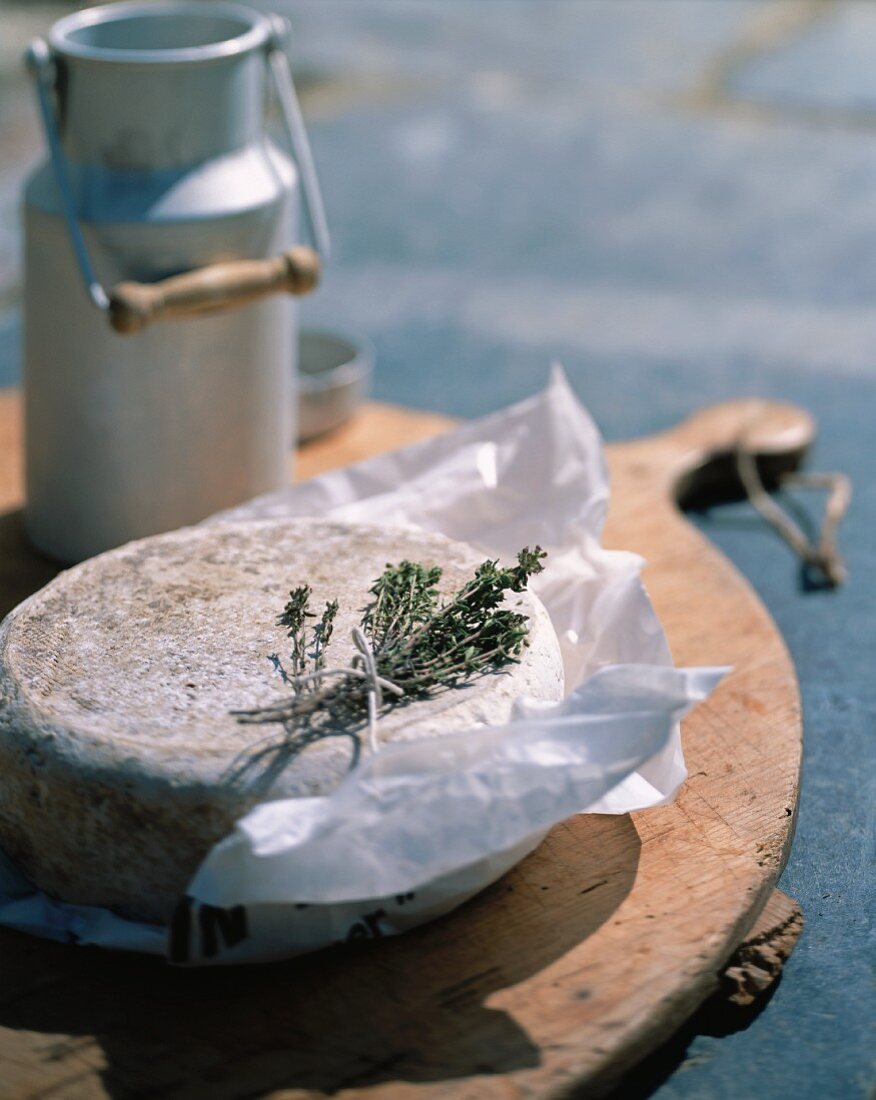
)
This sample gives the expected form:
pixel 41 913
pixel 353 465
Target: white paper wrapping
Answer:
pixel 423 825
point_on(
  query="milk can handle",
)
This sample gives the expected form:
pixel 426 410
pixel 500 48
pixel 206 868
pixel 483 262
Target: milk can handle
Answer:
pixel 131 305
pixel 39 62
pixel 297 133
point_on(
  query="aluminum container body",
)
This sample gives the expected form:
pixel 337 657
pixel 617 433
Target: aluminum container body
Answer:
pixel 161 118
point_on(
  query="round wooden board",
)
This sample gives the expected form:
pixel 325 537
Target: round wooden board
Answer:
pixel 555 980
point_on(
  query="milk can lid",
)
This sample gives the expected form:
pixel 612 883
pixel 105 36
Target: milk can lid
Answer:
pixel 172 31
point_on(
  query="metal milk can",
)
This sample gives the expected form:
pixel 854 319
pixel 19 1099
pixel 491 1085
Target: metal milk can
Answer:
pixel 159 357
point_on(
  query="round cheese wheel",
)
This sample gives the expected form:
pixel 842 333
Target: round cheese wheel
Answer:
pixel 121 763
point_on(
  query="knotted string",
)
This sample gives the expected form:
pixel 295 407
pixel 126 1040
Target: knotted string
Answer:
pixel 377 684
pixel 375 689
pixel 823 555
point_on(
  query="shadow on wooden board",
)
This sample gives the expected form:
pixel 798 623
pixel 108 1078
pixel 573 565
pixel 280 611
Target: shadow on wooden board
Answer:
pixel 414 1008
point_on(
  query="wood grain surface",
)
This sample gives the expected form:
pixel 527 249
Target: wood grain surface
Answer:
pixel 554 981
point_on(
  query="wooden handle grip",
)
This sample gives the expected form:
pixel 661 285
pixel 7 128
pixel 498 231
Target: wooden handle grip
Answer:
pixel 218 287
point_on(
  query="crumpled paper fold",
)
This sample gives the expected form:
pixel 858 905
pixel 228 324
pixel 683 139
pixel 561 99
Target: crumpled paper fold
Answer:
pixel 423 825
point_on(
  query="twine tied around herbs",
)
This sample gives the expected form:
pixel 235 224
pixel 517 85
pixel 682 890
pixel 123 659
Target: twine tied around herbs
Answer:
pixel 377 684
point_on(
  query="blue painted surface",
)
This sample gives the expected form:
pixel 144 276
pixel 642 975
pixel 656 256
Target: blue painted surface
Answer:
pixel 10 349
pixel 514 182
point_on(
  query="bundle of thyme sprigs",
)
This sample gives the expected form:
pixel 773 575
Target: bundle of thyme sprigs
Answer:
pixel 418 645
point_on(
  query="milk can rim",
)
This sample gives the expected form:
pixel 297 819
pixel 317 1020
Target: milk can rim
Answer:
pixel 257 32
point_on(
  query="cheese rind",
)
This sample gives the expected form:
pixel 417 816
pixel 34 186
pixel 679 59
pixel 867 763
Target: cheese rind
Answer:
pixel 120 761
